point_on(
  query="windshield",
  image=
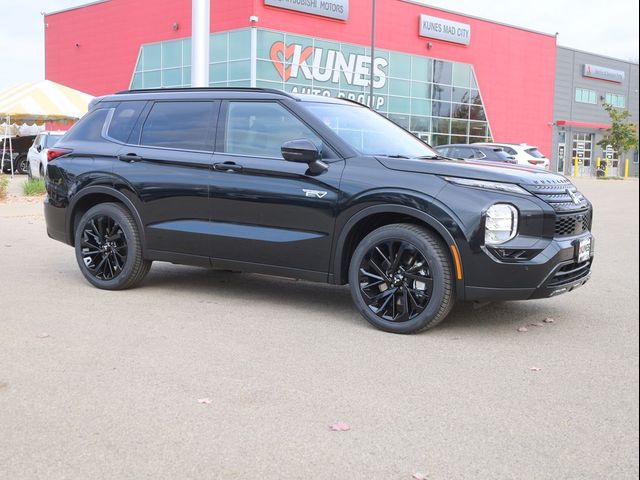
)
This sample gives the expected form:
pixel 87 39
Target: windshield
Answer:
pixel 51 140
pixel 534 152
pixel 367 132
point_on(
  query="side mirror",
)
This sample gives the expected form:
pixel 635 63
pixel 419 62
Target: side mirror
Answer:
pixel 39 148
pixel 304 151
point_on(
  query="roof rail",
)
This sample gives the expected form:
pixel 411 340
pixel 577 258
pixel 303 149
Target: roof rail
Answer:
pixel 209 89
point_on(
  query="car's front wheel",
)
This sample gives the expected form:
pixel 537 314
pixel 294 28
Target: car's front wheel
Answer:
pixel 401 279
pixel 108 248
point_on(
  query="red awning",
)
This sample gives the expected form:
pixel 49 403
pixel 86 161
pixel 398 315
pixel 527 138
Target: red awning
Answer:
pixel 571 123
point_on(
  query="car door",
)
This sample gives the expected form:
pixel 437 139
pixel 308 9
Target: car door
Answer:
pixel 266 210
pixel 167 168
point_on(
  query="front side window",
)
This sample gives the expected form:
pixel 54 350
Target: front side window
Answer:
pixel 367 132
pixel 260 128
pixel 180 125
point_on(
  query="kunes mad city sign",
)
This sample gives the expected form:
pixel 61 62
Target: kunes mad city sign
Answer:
pixel 332 69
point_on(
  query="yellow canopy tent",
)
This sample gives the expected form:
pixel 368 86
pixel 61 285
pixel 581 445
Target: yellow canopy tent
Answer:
pixel 37 102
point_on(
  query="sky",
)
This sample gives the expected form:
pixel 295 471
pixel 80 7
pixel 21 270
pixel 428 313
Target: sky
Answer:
pixel 608 27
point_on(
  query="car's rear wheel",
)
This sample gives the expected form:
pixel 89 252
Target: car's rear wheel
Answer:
pixel 401 279
pixel 108 248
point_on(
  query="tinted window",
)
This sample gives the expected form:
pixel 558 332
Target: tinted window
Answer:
pixel 260 129
pixel 185 125
pixel 534 152
pixel 123 120
pixel 51 140
pixel 89 128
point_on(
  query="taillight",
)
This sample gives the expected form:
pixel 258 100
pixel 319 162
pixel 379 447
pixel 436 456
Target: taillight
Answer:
pixel 54 153
pixel 535 162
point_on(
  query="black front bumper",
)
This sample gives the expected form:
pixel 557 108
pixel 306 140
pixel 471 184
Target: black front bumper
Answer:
pixel 553 272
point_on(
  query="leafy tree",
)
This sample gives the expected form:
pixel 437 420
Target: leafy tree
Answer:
pixel 622 135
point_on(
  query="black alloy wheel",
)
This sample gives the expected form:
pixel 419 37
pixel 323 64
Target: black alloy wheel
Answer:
pixel 109 249
pixel 104 247
pixel 395 280
pixel 401 278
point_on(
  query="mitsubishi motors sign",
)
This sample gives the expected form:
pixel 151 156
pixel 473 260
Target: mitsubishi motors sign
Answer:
pixel 603 73
pixel 330 71
pixel 338 9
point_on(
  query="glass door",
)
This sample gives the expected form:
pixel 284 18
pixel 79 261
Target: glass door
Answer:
pixel 582 149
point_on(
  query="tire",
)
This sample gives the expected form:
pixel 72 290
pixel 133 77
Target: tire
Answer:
pixel 41 171
pixel 22 164
pixel 401 279
pixel 108 248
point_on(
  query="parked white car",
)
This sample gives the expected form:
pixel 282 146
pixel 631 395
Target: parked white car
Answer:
pixel 37 155
pixel 524 154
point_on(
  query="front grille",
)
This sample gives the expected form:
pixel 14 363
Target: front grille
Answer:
pixel 572 224
pixel 560 193
pixel 570 273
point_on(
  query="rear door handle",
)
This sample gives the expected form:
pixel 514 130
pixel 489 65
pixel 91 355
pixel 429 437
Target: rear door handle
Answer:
pixel 227 167
pixel 130 157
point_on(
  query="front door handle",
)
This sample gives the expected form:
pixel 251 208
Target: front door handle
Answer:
pixel 130 157
pixel 227 167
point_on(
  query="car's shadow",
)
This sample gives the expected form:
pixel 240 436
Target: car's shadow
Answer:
pixel 332 300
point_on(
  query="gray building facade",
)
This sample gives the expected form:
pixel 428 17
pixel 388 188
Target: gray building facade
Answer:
pixel 583 83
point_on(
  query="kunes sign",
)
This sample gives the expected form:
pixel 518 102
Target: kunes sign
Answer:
pixel 329 69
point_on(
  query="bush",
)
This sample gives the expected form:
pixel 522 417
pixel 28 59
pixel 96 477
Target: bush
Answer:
pixel 4 184
pixel 33 187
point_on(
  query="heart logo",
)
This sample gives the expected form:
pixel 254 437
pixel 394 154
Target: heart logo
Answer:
pixel 281 54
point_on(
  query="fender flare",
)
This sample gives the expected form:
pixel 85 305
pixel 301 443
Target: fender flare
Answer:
pixel 105 190
pixel 391 208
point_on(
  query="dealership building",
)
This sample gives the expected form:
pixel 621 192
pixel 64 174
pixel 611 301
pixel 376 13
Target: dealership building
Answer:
pixel 445 76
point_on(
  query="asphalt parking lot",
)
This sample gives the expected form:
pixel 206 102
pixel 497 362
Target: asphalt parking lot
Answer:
pixel 97 384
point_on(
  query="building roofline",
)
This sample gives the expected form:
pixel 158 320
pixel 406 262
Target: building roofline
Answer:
pixel 88 4
pixel 608 57
pixel 475 17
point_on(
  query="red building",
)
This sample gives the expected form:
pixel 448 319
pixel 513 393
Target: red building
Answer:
pixel 445 76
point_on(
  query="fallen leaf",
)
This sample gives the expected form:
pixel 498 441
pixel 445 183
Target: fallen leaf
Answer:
pixel 420 476
pixel 204 401
pixel 43 335
pixel 339 427
pixel 523 329
pixel 549 320
pixel 535 369
pixel 537 324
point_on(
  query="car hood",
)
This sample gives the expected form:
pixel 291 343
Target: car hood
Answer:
pixel 495 172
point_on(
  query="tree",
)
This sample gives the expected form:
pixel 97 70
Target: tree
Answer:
pixel 622 135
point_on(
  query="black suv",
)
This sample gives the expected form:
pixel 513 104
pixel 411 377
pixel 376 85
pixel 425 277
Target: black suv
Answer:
pixel 308 187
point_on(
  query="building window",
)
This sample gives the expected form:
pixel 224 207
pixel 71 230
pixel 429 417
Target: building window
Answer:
pixel 615 100
pixel 584 95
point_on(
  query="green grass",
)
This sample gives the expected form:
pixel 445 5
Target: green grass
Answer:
pixel 33 187
pixel 4 184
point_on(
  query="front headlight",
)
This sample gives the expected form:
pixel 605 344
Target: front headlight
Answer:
pixel 501 224
pixel 487 185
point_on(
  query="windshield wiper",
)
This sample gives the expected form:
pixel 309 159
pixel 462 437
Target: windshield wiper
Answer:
pixel 432 157
pixel 390 156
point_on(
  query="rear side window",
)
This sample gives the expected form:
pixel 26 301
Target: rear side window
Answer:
pixel 534 152
pixel 123 120
pixel 89 128
pixel 183 125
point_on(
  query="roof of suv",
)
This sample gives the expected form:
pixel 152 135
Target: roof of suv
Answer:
pixel 217 92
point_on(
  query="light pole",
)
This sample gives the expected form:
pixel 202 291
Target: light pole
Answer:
pixel 373 50
pixel 200 21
